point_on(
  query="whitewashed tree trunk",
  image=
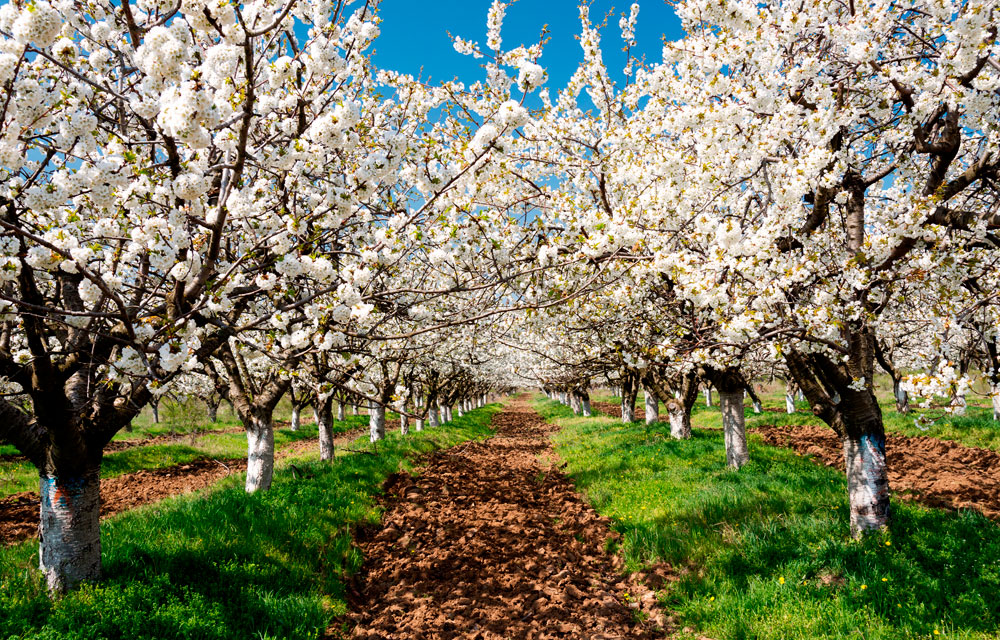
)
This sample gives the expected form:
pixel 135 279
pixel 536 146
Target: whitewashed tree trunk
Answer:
pixel 901 396
pixel 324 421
pixel 295 419
pixel 680 420
pixel 432 418
pixel 708 396
pixel 404 425
pixel 867 482
pixel 376 421
pixel 757 408
pixel 789 403
pixel 460 409
pixel 799 396
pixel 340 412
pixel 315 416
pixel 628 412
pixel 355 411
pixel 260 454
pixel 652 407
pixel 418 424
pixel 574 403
pixel 69 549
pixel 734 428
pixel 995 390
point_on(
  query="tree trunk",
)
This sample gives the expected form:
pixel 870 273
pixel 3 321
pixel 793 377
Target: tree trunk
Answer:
pixel 447 413
pixel 69 531
pixel 155 406
pixel 789 403
pixel 867 474
pixel 213 412
pixel 315 415
pixel 902 397
pixel 757 407
pixel 260 454
pixel 432 418
pixel 734 428
pixel 324 421
pixel 404 425
pixel 652 407
pixel 376 421
pixel 460 409
pixel 708 396
pixel 354 410
pixel 295 419
pixel 995 391
pixel 341 414
pixel 680 420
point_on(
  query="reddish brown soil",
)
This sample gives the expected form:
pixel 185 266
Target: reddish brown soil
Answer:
pixel 491 541
pixel 615 410
pixel 19 512
pixel 935 472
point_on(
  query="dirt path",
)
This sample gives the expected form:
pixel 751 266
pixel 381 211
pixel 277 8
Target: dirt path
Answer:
pixel 489 542
pixel 19 512
pixel 939 473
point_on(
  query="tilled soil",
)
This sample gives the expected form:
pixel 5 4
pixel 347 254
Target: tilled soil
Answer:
pixel 938 473
pixel 615 410
pixel 491 541
pixel 19 512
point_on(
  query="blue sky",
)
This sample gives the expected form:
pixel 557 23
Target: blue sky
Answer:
pixel 415 35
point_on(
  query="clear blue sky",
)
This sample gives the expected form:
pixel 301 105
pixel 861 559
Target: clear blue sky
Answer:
pixel 415 35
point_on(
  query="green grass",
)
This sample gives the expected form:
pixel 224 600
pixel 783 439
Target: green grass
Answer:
pixel 223 564
pixel 765 552
pixel 17 476
pixel 975 429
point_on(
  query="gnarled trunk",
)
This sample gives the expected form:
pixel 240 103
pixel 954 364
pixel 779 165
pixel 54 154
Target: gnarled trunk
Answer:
pixel 652 407
pixel 376 421
pixel 260 454
pixel 734 428
pixel 680 420
pixel 70 538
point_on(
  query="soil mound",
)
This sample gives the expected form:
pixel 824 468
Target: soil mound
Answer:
pixel 938 473
pixel 491 541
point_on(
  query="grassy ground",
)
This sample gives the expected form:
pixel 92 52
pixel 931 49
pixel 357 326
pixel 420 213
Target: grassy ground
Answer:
pixel 20 475
pixel 765 552
pixel 224 564
pixel 975 429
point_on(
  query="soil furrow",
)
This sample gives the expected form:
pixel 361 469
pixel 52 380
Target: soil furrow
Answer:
pixel 492 541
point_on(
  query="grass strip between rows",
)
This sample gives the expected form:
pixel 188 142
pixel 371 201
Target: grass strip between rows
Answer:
pixel 765 552
pixel 224 564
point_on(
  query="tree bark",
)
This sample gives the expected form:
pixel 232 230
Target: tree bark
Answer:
pixel 213 412
pixel 867 474
pixel 432 417
pixel 324 421
pixel 69 531
pixel 295 419
pixel 260 453
pixel 341 414
pixel 995 391
pixel 680 420
pixel 376 421
pixel 789 403
pixel 404 425
pixel 708 396
pixel 734 428
pixel 902 397
pixel 652 407
pixel 155 406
